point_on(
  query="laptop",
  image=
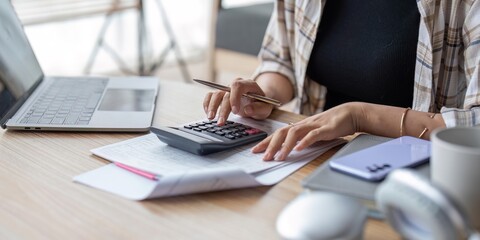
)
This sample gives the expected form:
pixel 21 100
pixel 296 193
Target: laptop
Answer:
pixel 29 100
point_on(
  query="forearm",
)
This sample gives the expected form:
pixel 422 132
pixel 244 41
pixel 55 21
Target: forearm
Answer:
pixel 276 86
pixel 386 121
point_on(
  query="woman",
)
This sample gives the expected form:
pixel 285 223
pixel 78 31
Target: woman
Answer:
pixel 361 68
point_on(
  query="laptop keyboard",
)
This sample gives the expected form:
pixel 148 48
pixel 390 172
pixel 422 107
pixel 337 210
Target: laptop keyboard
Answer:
pixel 66 102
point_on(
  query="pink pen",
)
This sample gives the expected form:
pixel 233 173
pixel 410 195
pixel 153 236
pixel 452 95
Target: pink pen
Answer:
pixel 136 171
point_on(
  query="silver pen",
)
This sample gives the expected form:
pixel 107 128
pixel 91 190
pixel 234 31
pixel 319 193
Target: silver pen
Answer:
pixel 249 95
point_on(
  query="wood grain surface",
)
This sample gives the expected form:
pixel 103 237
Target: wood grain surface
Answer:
pixel 40 200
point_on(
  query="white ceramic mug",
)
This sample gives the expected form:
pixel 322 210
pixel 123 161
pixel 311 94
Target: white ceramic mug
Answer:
pixel 455 167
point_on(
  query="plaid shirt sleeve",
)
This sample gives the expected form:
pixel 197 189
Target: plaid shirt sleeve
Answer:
pixel 275 52
pixel 469 113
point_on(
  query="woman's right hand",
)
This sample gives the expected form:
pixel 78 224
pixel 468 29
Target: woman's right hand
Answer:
pixel 222 103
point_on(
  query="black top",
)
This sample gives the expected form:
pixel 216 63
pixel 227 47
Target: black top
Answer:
pixel 365 51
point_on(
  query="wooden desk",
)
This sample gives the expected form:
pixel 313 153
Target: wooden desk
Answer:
pixel 39 199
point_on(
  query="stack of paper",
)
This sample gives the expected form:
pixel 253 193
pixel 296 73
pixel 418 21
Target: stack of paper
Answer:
pixel 179 172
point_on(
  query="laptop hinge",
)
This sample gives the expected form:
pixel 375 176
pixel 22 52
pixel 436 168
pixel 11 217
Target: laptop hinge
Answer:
pixel 19 104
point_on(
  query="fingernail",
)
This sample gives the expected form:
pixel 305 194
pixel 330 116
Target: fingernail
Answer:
pixel 248 110
pixel 267 157
pixel 280 156
pixel 234 109
pixel 211 114
pixel 221 120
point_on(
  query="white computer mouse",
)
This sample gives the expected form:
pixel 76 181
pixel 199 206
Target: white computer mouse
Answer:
pixel 322 215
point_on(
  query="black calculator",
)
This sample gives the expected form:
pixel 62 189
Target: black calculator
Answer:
pixel 207 137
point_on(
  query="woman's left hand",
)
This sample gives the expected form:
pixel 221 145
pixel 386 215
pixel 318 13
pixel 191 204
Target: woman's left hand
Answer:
pixel 337 122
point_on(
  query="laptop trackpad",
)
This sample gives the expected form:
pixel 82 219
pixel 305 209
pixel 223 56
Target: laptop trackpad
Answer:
pixel 138 100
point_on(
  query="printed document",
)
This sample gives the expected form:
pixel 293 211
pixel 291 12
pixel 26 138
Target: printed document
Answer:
pixel 179 172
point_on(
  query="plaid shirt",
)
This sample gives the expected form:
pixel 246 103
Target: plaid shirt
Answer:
pixel 447 66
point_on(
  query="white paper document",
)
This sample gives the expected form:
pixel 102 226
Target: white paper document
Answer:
pixel 179 172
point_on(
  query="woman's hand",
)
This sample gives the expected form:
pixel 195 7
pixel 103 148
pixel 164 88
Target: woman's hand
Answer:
pixel 235 102
pixel 337 122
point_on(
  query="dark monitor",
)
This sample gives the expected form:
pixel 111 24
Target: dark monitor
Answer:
pixel 19 68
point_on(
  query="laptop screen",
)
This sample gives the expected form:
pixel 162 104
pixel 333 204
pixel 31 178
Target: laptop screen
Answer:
pixel 19 69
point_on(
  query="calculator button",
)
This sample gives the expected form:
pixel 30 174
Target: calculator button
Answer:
pixel 237 135
pixel 188 127
pixel 197 129
pixel 220 133
pixel 203 127
pixel 211 130
pixel 252 131
pixel 227 131
pixel 230 136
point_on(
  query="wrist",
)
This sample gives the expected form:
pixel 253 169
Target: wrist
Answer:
pixel 359 116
